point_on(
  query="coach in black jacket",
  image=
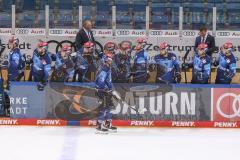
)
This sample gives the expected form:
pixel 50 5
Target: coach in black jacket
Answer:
pixel 84 35
pixel 207 39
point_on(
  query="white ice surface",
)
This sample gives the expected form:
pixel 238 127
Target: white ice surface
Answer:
pixel 75 143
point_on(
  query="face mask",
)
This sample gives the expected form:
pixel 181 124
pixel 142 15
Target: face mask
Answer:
pixel 11 46
pixel 41 51
pixel 201 53
pixel 138 47
pixel 227 52
pixel 163 52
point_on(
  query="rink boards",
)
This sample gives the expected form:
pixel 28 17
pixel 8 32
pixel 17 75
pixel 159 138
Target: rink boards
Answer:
pixel 180 105
pixel 120 123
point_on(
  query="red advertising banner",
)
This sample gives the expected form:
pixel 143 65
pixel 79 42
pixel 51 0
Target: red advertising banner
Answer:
pixel 120 123
pixel 226 104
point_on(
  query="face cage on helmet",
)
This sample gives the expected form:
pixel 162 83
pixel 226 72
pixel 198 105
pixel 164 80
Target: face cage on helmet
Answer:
pixel 141 47
pixel 227 51
pixel 108 59
pixel 161 51
pixel 91 46
pixel 90 49
pixel 128 47
pixel 202 53
pixel 110 48
pixel 14 42
pixel 45 47
pixel 67 51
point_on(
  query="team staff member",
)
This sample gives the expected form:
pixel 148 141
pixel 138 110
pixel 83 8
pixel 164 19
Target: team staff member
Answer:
pixel 206 38
pixel 84 35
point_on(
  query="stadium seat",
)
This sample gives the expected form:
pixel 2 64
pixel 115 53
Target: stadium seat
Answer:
pixel 233 10
pixel 7 4
pixel 28 5
pixel 5 14
pixel 139 14
pixel 165 13
pixel 5 18
pixel 87 11
pixel 130 14
pixel 41 19
pixel 221 18
pixel 232 1
pixel 103 14
pixel 197 14
pixel 139 6
pixel 123 18
pixel 65 5
pixel 103 6
pixel 103 21
pixel 25 19
pixel 122 6
pixel 123 21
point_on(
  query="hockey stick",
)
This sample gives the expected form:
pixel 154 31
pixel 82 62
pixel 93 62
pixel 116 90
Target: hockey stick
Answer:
pixel 25 60
pixel 117 98
pixel 1 51
pixel 184 61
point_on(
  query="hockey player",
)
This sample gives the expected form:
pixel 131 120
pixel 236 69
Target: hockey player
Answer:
pixel 64 66
pixel 16 61
pixel 121 63
pixel 84 63
pixel 140 65
pixel 201 65
pixel 166 65
pixel 104 88
pixel 110 47
pixel 41 65
pixel 226 64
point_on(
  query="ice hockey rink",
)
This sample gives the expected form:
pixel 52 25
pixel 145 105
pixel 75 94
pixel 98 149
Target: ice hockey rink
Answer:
pixel 81 143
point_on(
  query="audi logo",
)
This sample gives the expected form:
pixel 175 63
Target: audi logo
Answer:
pixel 189 33
pixel 22 31
pixel 122 32
pixel 56 31
pixel 223 34
pixel 235 105
pixel 156 33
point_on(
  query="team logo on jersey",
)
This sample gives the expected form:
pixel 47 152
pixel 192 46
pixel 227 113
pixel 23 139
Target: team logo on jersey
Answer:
pixel 204 61
pixel 228 60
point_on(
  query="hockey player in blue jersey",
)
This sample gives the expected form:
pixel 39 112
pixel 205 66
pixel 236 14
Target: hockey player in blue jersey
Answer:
pixel 16 61
pixel 64 66
pixel 84 63
pixel 122 63
pixel 166 65
pixel 226 65
pixel 41 65
pixel 201 65
pixel 110 47
pixel 140 65
pixel 104 88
